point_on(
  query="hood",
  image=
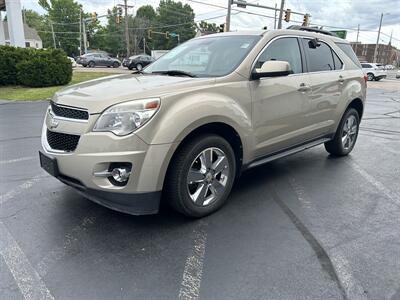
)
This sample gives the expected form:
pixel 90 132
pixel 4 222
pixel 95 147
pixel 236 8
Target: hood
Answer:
pixel 96 95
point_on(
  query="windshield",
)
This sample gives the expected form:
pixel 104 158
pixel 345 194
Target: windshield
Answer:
pixel 206 57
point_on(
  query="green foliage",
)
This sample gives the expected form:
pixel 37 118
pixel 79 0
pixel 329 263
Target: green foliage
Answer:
pixel 208 27
pixel 35 68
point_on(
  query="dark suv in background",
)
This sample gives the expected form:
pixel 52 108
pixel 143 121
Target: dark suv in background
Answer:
pixel 92 60
pixel 137 61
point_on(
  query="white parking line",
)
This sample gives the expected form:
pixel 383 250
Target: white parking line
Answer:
pixel 376 183
pixel 28 280
pixel 11 161
pixel 341 265
pixel 191 279
pixel 19 189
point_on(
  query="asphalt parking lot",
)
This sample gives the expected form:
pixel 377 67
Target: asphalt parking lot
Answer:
pixel 308 226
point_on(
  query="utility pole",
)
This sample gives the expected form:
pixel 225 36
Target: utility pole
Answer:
pixel 276 8
pixel 84 36
pixel 80 32
pixel 280 14
pixel 358 32
pixel 126 28
pixel 377 40
pixel 390 41
pixel 54 37
pixel 228 17
pixel 144 44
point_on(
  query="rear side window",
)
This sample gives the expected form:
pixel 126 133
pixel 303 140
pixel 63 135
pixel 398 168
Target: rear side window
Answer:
pixel 337 61
pixel 346 48
pixel 284 49
pixel 367 66
pixel 319 58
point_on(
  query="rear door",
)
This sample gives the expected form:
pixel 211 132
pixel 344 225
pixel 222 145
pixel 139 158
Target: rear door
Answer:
pixel 280 104
pixel 327 77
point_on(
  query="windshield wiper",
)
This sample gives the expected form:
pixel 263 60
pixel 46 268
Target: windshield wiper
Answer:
pixel 174 73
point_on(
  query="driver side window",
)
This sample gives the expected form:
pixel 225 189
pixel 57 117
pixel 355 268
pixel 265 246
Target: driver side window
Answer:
pixel 284 49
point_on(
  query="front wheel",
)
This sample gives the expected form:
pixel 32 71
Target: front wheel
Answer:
pixel 346 134
pixel 115 65
pixel 139 67
pixel 370 76
pixel 92 64
pixel 201 176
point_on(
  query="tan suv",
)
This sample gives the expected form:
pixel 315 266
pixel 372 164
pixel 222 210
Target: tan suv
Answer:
pixel 185 127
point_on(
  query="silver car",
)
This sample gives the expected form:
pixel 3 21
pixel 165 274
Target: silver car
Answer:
pixel 184 128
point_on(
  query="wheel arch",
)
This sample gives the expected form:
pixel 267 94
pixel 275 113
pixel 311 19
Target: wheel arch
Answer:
pixel 358 105
pixel 222 129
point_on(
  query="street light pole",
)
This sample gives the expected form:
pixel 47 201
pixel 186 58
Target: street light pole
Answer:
pixel 126 28
pixel 228 16
pixel 377 40
pixel 281 14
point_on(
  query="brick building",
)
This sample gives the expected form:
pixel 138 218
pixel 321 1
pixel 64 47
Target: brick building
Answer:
pixel 387 54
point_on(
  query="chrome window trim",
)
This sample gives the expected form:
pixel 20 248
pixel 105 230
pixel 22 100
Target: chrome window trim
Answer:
pixel 302 37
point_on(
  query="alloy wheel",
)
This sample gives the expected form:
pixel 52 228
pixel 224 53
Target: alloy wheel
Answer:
pixel 208 176
pixel 349 133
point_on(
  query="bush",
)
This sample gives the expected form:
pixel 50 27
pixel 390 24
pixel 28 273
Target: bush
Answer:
pixel 34 68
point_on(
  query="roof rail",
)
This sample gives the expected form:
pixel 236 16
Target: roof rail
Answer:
pixel 310 29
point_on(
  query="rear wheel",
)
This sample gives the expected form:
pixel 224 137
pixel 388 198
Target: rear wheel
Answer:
pixel 201 176
pixel 370 76
pixel 346 134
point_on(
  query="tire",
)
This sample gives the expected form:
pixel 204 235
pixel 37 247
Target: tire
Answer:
pixel 130 68
pixel 91 64
pixel 139 67
pixel 115 65
pixel 84 66
pixel 370 76
pixel 377 78
pixel 209 189
pixel 343 142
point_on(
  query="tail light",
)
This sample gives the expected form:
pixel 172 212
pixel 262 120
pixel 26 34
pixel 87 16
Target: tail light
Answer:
pixel 365 78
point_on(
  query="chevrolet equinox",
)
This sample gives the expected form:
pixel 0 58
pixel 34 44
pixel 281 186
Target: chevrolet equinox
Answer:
pixel 183 128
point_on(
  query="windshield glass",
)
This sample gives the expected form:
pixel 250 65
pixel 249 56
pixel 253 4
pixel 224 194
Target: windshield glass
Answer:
pixel 206 57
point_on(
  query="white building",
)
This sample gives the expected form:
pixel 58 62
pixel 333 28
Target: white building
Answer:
pixel 32 39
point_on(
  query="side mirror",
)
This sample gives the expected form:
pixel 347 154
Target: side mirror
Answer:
pixel 272 68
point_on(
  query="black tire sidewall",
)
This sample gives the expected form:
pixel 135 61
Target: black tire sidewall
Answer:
pixel 349 112
pixel 186 204
pixel 91 64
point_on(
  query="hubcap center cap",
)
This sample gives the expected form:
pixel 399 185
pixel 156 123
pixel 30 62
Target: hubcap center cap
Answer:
pixel 209 177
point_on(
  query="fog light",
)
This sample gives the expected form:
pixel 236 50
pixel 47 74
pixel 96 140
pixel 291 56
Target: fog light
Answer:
pixel 121 175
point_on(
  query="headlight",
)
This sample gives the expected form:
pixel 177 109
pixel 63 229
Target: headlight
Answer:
pixel 125 118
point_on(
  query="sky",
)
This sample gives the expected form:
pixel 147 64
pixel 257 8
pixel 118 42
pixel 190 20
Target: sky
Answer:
pixel 345 14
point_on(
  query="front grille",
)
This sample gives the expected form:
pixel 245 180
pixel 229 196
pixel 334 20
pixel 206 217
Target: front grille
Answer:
pixel 70 113
pixel 62 141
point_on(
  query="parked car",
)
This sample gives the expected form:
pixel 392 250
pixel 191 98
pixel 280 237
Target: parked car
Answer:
pixel 73 62
pixel 186 126
pixel 92 60
pixel 138 62
pixel 398 74
pixel 374 71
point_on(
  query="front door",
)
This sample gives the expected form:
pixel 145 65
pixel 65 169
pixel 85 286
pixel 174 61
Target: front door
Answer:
pixel 280 104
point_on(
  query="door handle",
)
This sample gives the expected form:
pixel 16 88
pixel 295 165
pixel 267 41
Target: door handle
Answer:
pixel 341 79
pixel 304 88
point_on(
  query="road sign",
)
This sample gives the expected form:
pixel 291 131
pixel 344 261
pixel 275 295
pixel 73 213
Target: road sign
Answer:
pixel 340 33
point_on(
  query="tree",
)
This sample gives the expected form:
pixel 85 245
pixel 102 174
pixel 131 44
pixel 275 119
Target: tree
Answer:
pixel 177 18
pixel 145 18
pixel 208 27
pixel 64 15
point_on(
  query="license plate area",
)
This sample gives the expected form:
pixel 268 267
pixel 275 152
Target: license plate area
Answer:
pixel 49 164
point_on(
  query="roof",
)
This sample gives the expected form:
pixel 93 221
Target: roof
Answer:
pixel 30 33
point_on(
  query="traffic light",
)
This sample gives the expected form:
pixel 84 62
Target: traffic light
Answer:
pixel 117 19
pixel 306 20
pixel 94 17
pixel 119 11
pixel 222 27
pixel 287 15
pixel 149 33
pixel 167 35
